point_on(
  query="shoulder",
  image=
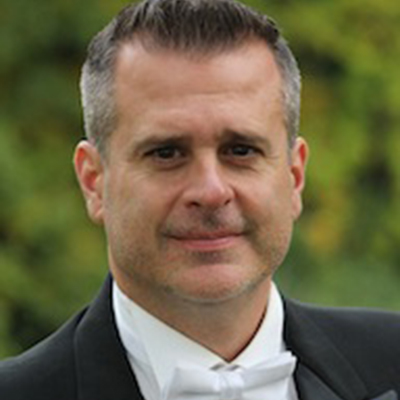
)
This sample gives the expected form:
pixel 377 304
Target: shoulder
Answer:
pixel 368 339
pixel 346 324
pixel 27 375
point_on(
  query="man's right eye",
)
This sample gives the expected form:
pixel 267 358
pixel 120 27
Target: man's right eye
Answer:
pixel 167 155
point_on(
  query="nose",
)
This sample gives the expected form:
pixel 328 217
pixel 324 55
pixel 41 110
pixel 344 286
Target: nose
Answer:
pixel 208 186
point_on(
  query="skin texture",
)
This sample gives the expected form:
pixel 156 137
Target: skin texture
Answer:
pixel 198 191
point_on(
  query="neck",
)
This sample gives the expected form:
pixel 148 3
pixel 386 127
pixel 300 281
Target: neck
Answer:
pixel 225 328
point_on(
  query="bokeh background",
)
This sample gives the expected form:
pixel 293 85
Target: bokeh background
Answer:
pixel 346 246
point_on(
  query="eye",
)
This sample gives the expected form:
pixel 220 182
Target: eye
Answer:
pixel 165 153
pixel 241 150
pixel 166 156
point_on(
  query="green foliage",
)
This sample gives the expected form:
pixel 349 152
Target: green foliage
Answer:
pixel 348 52
pixel 345 250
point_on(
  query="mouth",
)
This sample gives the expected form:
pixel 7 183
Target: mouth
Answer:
pixel 208 241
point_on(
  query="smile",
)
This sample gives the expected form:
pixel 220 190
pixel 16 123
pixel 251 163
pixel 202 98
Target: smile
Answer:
pixel 209 242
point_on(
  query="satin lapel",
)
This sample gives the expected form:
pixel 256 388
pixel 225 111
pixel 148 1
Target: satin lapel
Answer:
pixel 391 395
pixel 311 387
pixel 322 370
pixel 103 371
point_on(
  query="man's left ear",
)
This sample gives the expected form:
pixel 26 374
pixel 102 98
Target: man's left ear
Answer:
pixel 299 158
pixel 89 171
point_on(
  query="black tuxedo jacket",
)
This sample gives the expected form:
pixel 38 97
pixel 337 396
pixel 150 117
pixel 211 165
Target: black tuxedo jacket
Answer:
pixel 342 355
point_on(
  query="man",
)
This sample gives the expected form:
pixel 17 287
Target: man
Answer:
pixel 193 165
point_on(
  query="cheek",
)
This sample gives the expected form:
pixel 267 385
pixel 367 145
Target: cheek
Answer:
pixel 266 194
pixel 269 205
pixel 139 205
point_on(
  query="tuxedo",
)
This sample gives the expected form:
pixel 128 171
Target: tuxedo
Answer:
pixel 342 355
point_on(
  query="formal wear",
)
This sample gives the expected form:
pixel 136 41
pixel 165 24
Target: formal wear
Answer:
pixel 341 355
pixel 155 350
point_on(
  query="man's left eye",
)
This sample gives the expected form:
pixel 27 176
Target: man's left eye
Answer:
pixel 242 150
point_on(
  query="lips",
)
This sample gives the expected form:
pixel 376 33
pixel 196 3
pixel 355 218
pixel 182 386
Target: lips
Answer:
pixel 214 235
pixel 207 241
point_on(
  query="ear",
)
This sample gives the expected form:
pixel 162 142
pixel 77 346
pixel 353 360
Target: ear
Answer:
pixel 299 158
pixel 89 171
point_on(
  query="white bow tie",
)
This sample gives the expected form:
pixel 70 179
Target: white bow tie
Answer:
pixel 265 381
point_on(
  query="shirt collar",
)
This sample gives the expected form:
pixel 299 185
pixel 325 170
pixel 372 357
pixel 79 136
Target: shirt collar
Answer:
pixel 155 344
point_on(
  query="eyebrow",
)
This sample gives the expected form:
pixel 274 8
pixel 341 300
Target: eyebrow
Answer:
pixel 248 137
pixel 139 146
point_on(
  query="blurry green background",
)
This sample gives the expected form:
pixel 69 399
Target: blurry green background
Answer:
pixel 346 246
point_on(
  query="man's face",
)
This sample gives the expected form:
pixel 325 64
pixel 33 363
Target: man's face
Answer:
pixel 199 190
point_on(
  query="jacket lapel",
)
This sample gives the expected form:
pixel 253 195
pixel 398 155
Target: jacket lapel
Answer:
pixel 103 371
pixel 391 395
pixel 323 372
pixel 310 386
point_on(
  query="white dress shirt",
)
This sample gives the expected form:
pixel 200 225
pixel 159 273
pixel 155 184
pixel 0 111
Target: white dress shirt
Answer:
pixel 154 349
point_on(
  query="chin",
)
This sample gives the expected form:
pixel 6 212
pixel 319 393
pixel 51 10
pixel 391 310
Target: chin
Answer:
pixel 218 288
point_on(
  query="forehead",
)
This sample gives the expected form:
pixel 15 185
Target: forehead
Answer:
pixel 246 67
pixel 166 92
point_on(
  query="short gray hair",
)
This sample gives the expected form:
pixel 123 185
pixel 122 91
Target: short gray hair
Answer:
pixel 189 26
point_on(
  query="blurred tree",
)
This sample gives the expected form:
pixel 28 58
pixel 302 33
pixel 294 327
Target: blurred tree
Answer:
pixel 345 250
pixel 348 53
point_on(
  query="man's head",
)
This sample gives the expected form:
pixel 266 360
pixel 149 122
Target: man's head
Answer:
pixel 195 28
pixel 198 191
